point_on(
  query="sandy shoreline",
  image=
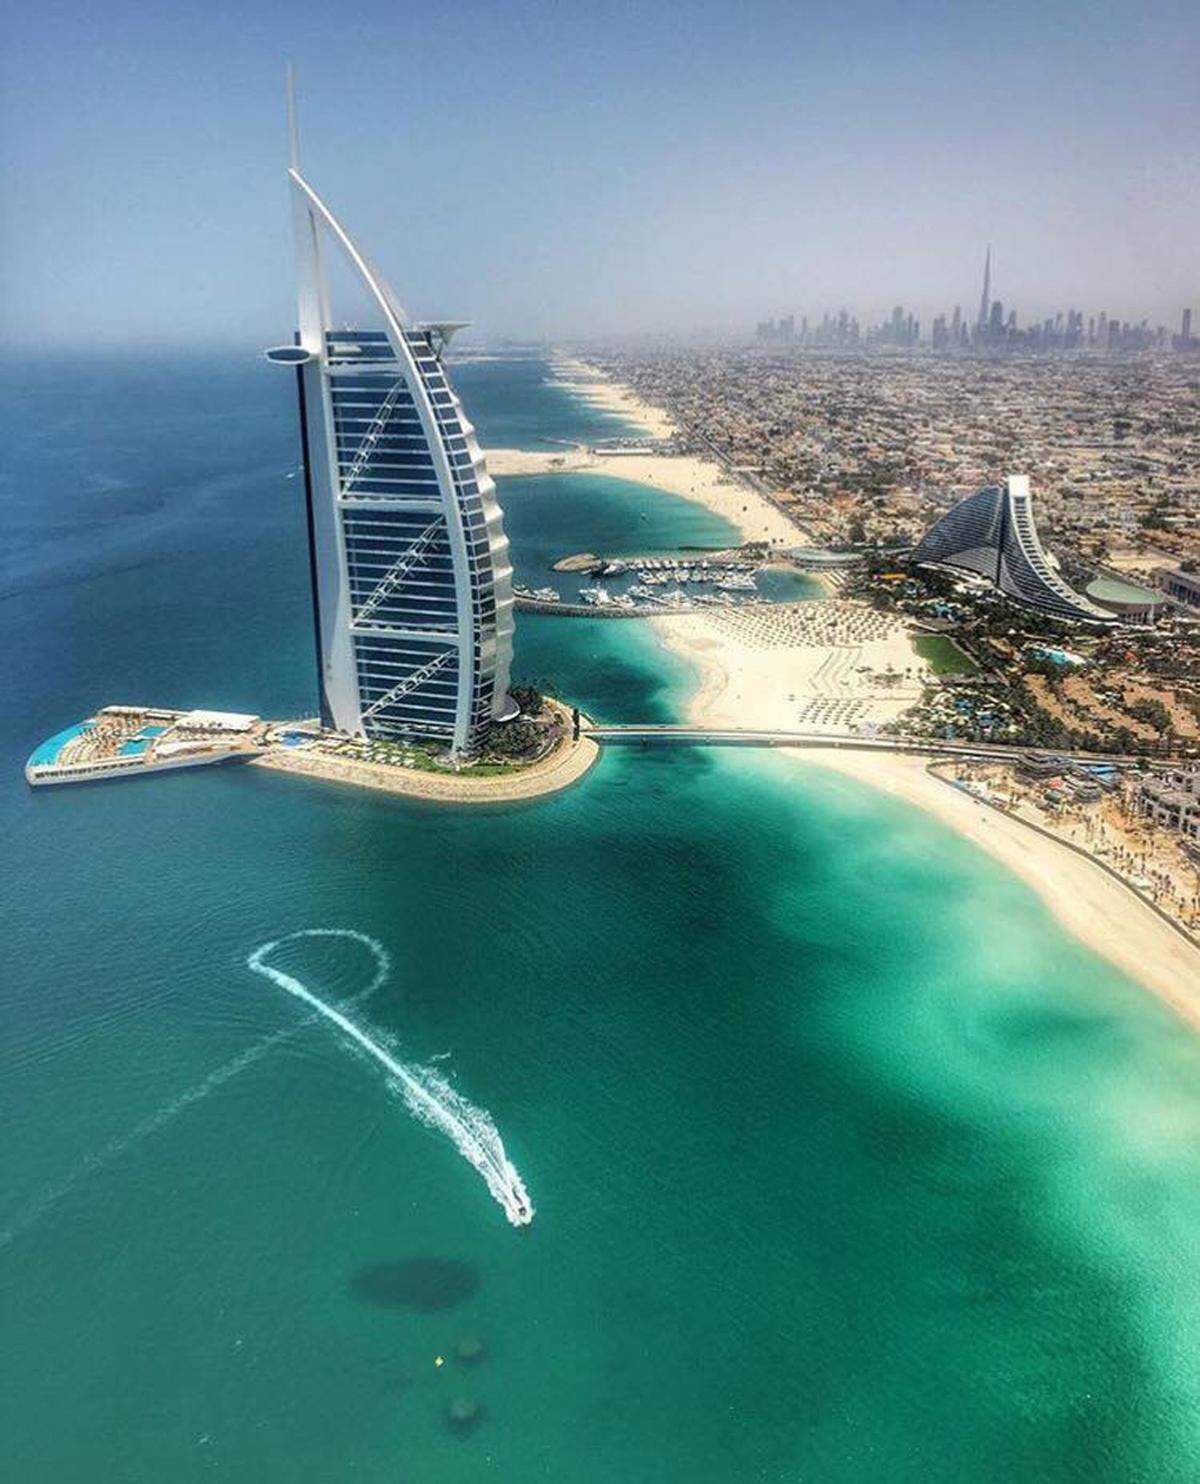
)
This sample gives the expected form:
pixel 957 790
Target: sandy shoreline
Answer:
pixel 686 475
pixel 1105 915
pixel 739 686
pixel 860 675
pixel 822 666
pixel 563 767
pixel 591 385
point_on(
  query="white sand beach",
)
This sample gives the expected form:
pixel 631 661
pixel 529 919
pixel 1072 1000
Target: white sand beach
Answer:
pixel 504 462
pixel 1089 903
pixel 821 666
pixel 773 685
pixel 709 485
pixel 798 676
pixel 692 478
pixel 591 384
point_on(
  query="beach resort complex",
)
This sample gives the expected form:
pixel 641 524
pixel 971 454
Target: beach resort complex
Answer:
pixel 409 570
pixel 1048 702
pixel 633 913
pixel 992 533
pixel 966 643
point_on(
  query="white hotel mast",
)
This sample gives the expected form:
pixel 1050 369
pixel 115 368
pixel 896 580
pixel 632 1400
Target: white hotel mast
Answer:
pixel 410 569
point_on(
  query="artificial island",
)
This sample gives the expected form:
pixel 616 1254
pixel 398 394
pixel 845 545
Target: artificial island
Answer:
pixel 411 579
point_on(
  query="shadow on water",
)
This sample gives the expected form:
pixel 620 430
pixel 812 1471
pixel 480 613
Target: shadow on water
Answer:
pixel 423 1284
pixel 463 1416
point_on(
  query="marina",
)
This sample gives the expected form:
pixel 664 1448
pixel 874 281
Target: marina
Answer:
pixel 648 586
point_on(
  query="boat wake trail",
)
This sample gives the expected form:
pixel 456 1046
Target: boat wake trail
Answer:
pixel 100 1159
pixel 430 1098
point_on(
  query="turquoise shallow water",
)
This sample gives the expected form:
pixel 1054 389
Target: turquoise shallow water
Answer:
pixel 545 514
pixel 848 1165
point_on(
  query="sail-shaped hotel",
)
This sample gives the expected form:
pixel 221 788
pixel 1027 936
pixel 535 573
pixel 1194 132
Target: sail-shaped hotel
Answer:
pixel 992 533
pixel 411 576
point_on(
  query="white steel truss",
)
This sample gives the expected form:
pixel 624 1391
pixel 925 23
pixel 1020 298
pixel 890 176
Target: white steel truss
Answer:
pixel 372 436
pixel 400 569
pixel 409 683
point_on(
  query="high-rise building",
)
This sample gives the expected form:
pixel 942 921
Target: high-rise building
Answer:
pixel 992 533
pixel 996 320
pixel 985 299
pixel 410 570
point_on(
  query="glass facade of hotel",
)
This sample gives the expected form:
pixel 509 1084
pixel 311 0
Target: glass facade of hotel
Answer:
pixel 993 534
pixel 412 581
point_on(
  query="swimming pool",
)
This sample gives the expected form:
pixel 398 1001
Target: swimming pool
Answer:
pixel 1056 656
pixel 48 752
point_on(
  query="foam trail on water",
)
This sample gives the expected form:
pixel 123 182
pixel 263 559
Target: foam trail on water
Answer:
pixel 99 1159
pixel 429 1096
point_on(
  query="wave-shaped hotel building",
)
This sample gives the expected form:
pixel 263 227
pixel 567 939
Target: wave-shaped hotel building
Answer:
pixel 992 534
pixel 410 568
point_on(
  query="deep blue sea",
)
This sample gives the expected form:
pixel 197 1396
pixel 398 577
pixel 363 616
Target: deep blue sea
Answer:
pixel 849 1166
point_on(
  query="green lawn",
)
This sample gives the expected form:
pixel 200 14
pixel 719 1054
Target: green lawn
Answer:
pixel 422 761
pixel 943 655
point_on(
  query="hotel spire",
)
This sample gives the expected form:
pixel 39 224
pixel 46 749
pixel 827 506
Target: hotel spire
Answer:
pixel 293 132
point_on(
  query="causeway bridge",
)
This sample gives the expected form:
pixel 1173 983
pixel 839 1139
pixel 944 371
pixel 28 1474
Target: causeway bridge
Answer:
pixel 691 736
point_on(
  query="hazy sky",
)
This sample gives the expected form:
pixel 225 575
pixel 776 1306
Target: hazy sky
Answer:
pixel 579 167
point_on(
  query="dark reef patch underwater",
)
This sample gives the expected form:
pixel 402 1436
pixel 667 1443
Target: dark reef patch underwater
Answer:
pixel 424 1284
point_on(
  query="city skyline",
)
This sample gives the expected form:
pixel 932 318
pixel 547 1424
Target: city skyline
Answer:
pixel 996 325
pixel 620 181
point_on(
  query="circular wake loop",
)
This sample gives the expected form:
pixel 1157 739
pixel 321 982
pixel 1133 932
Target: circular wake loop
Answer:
pixel 428 1095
